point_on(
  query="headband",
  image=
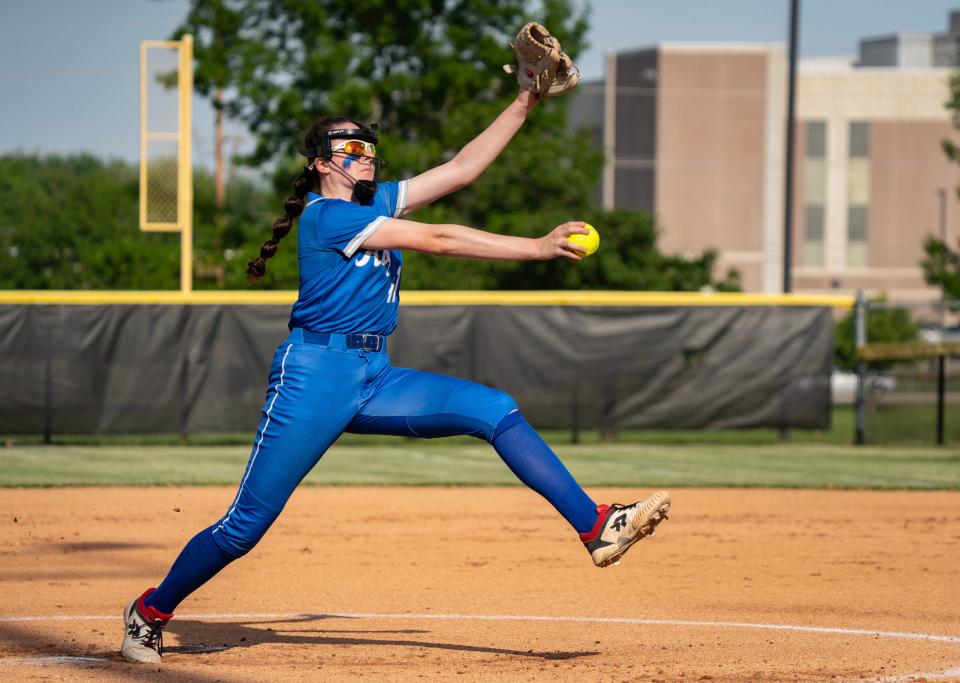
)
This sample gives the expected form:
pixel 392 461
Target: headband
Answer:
pixel 323 150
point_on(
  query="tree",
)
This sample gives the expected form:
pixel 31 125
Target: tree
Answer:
pixel 429 71
pixel 222 247
pixel 627 260
pixel 883 325
pixel 941 267
pixel 70 223
pixel 218 49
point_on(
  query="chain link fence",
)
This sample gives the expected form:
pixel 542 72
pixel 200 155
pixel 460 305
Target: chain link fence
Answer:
pixel 908 391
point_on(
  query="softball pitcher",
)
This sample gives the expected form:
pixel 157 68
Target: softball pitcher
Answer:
pixel 333 374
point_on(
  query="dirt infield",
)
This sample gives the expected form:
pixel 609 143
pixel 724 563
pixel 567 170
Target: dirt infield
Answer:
pixel 408 583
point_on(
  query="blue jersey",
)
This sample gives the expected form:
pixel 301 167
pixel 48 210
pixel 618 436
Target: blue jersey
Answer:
pixel 343 288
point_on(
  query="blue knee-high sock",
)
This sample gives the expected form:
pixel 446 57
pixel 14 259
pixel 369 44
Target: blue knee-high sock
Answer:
pixel 199 561
pixel 537 466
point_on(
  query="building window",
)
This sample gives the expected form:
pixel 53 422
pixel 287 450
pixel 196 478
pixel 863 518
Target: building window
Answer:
pixel 858 193
pixel 857 224
pixel 816 139
pixel 857 235
pixel 813 230
pixel 814 195
pixel 859 140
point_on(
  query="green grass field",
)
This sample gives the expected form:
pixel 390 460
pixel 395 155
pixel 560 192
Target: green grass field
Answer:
pixel 888 425
pixel 752 457
pixel 459 462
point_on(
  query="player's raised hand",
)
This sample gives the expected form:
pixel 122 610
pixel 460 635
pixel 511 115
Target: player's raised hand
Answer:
pixel 528 99
pixel 555 244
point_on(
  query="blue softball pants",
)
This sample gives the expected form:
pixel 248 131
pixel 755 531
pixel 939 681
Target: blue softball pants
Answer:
pixel 318 392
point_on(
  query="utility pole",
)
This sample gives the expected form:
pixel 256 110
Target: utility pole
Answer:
pixel 941 360
pixel 788 175
pixel 788 171
pixel 219 168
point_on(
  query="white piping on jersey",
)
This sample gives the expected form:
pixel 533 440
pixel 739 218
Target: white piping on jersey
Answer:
pixel 394 287
pixel 374 225
pixel 363 235
pixel 256 451
pixel 401 198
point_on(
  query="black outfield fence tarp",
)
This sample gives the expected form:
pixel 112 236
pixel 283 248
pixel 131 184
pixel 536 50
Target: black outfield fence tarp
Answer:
pixel 160 368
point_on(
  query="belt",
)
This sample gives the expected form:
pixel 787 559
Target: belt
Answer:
pixel 372 343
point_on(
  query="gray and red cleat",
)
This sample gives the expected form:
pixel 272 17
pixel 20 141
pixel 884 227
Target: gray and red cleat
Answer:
pixel 143 631
pixel 620 526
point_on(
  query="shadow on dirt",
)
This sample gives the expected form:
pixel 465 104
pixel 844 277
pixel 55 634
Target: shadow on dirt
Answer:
pixel 31 652
pixel 197 637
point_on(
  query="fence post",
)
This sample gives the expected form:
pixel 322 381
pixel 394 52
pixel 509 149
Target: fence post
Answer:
pixel 785 384
pixel 941 360
pixel 184 398
pixel 941 391
pixel 47 400
pixel 575 413
pixel 860 340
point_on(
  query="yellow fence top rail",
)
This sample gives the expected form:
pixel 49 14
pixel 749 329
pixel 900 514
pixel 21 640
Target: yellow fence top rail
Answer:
pixel 907 350
pixel 431 298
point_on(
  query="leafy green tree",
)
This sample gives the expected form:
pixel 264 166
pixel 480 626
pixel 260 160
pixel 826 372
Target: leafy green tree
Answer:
pixel 224 240
pixel 941 265
pixel 429 72
pixel 953 107
pixel 627 260
pixel 70 222
pixel 883 325
pixel 218 49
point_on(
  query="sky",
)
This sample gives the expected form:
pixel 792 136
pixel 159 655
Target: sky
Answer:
pixel 69 68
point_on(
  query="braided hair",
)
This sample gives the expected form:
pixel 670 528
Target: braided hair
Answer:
pixel 293 206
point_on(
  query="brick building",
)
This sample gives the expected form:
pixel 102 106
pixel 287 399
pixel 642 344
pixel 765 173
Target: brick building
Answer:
pixel 697 134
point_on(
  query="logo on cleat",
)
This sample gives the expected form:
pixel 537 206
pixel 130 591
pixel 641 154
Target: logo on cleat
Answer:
pixel 619 522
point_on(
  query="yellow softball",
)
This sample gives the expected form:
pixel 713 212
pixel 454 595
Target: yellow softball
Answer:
pixel 591 240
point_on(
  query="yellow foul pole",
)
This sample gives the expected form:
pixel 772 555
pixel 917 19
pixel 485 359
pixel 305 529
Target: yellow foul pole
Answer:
pixel 155 214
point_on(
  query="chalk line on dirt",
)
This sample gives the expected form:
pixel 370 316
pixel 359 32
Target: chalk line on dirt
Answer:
pixel 904 635
pixel 827 630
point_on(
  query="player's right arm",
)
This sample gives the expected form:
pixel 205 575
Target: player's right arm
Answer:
pixel 459 241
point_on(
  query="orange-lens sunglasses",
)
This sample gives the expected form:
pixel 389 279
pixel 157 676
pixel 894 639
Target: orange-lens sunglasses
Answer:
pixel 356 148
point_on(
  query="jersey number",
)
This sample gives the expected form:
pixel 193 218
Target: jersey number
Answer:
pixel 381 257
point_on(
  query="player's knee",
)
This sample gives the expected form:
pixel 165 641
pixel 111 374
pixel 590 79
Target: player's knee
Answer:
pixel 237 544
pixel 505 414
pixel 503 405
pixel 238 537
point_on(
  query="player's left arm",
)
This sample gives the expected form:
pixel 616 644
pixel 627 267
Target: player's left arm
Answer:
pixel 473 159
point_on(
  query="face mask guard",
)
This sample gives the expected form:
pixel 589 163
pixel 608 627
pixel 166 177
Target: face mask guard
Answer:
pixel 363 190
